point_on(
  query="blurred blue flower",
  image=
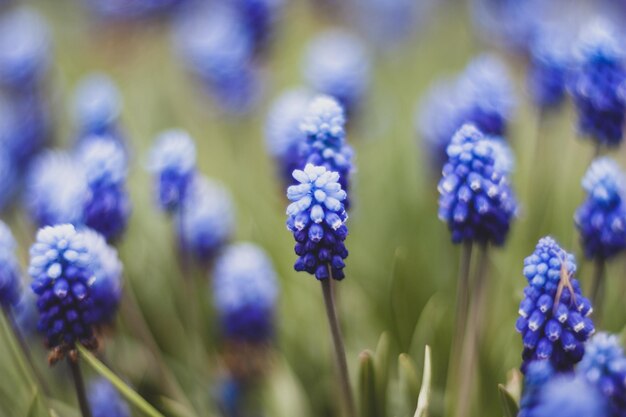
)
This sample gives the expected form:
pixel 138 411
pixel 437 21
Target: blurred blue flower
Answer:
pixel 32 126
pixel 105 401
pixel 206 220
pixel 8 176
pixel 66 268
pixel 550 62
pixel 131 9
pixel 24 49
pixel 25 312
pixel 107 205
pixel 173 164
pixel 604 365
pixel 10 287
pixel 597 85
pixel 97 106
pixel 56 188
pixel 553 315
pixel 324 127
pixel 317 217
pixel 337 64
pixel 260 17
pixel 538 373
pixel 601 219
pixel 569 395
pixel 476 200
pixel 283 136
pixel 217 46
pixel 245 292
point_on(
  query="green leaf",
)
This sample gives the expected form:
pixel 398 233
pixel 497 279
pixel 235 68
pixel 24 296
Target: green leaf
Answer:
pixel 423 399
pixel 509 405
pixel 367 385
pixel 121 386
pixel 381 371
pixel 36 408
pixel 175 408
pixel 409 381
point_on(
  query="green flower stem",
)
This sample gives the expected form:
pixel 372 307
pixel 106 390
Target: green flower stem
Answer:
pixel 340 352
pixel 79 384
pixel 126 391
pixel 598 285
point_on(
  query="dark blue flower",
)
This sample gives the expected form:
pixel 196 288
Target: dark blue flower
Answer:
pixel 69 269
pixel 283 137
pixel 553 315
pixel 317 217
pixel 538 373
pixel 107 205
pixel 597 85
pixel 9 269
pixel 105 401
pixel 97 107
pixel 245 292
pixel 604 365
pixel 476 200
pixel 206 220
pixel 173 164
pixel 601 219
pixel 260 16
pixel 337 64
pixel 550 61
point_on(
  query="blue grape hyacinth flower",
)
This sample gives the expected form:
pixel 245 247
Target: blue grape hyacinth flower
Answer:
pixel 206 220
pixel 601 219
pixel 10 288
pixel 97 106
pixel 173 164
pixel 554 317
pixel 245 292
pixel 604 365
pixel 55 189
pixel 105 401
pixel 476 200
pixel 107 205
pixel 317 217
pixel 550 63
pixel 337 64
pixel 260 17
pixel 68 269
pixel 538 373
pixel 283 136
pixel 597 85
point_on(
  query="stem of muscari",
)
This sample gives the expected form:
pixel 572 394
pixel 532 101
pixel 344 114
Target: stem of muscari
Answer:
pixel 340 352
pixel 474 331
pixel 10 318
pixel 597 288
pixel 79 384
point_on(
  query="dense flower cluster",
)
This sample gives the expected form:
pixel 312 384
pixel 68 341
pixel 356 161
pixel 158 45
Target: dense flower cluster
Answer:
pixel 173 164
pixel 97 107
pixel 105 401
pixel 553 315
pixel 337 64
pixel 9 269
pixel 316 217
pixel 598 85
pixel 604 365
pixel 601 219
pixel 476 200
pixel 283 137
pixel 206 220
pixel 550 62
pixel 76 280
pixel 245 292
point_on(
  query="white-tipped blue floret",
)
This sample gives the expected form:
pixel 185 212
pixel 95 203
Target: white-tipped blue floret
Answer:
pixel 599 39
pixel 604 180
pixel 324 120
pixel 174 150
pixel 318 189
pixel 97 102
pixel 103 160
pixel 282 126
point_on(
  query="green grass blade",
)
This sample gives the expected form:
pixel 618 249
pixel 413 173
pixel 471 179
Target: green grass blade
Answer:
pixel 121 386
pixel 424 398
pixel 509 405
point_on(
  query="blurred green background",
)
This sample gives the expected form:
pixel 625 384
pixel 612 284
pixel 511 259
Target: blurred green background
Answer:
pixel 401 274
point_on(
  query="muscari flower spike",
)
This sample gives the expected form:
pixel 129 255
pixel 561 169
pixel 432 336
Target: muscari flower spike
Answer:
pixel 173 164
pixel 538 373
pixel 597 85
pixel 554 317
pixel 206 220
pixel 324 127
pixel 245 292
pixel 337 64
pixel 568 395
pixel 69 269
pixel 107 205
pixel 317 217
pixel 476 200
pixel 105 401
pixel 550 62
pixel 97 106
pixel 601 219
pixel 604 365
pixel 55 189
pixel 10 288
pixel 260 17
pixel 283 137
